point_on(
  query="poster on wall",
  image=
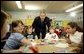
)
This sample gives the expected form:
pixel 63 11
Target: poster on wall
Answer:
pixel 28 21
pixel 62 23
pixel 65 23
pixel 57 23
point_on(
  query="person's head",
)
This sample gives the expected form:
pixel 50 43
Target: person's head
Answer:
pixel 42 14
pixel 17 26
pixel 29 29
pixel 24 30
pixel 72 27
pixel 4 23
pixel 51 29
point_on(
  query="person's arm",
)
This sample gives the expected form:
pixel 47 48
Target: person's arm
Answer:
pixel 12 50
pixel 31 47
pixel 75 44
pixel 34 23
pixel 67 38
pixel 47 36
pixel 3 40
pixel 48 23
pixel 24 41
pixel 80 44
pixel 56 37
pixel 21 38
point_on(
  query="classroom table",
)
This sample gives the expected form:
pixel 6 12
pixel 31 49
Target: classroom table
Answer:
pixel 45 46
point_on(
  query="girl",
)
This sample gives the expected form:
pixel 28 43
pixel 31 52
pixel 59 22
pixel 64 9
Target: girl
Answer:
pixel 29 33
pixel 73 31
pixel 16 38
pixel 75 36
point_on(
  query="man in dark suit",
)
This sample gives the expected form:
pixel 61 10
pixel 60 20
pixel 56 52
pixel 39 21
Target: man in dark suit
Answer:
pixel 40 23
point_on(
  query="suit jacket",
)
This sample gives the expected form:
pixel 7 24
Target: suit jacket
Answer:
pixel 41 26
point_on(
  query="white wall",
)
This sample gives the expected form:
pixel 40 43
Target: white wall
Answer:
pixel 62 16
pixel 26 14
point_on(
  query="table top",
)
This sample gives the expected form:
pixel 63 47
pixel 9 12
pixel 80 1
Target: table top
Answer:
pixel 46 46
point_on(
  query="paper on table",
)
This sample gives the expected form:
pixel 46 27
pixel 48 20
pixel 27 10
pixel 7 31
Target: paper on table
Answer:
pixel 62 50
pixel 27 50
pixel 62 45
pixel 33 43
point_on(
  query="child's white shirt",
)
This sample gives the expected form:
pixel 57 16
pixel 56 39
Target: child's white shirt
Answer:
pixel 76 37
pixel 51 36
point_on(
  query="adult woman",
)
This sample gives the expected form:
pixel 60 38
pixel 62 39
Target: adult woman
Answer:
pixel 40 23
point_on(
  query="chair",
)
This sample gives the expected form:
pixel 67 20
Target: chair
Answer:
pixel 3 41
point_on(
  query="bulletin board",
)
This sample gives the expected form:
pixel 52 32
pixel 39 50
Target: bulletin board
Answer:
pixel 62 23
pixel 65 23
pixel 28 22
pixel 55 22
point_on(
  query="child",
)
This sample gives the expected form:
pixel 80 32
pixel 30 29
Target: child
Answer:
pixel 74 33
pixel 75 36
pixel 16 39
pixel 51 35
pixel 29 33
pixel 58 31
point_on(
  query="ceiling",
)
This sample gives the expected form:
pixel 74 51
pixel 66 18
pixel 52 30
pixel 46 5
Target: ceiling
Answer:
pixel 49 6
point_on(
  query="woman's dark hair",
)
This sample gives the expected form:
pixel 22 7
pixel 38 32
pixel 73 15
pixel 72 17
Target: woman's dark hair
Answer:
pixel 74 25
pixel 15 24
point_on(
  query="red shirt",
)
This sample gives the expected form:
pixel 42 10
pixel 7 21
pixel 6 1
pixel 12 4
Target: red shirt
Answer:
pixel 58 32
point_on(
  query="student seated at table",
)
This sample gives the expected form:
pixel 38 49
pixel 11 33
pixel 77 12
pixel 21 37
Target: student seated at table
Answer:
pixel 29 33
pixel 16 38
pixel 51 35
pixel 73 32
pixel 75 36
